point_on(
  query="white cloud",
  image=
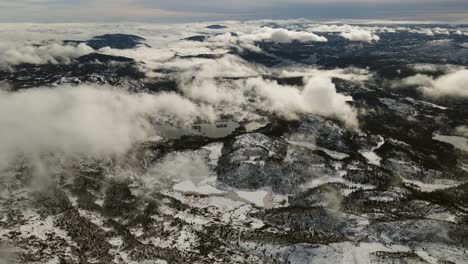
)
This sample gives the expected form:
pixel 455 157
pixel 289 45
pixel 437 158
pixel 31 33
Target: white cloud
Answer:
pixel 227 66
pixel 177 167
pixel 360 35
pixel 148 58
pixel 199 81
pixel 207 90
pixel 425 67
pixel 388 30
pixel 353 33
pixel 351 74
pixel 318 96
pixel 432 31
pixel 97 121
pixel 462 131
pixel 424 31
pixel 281 36
pixel 331 28
pixel 141 53
pixel 285 36
pixel 337 28
pixel 15 53
pixel 85 120
pixel 416 80
pixel 452 84
pixel 434 68
pixel 441 31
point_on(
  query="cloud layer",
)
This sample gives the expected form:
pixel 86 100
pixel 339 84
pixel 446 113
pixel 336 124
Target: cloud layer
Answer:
pixel 101 121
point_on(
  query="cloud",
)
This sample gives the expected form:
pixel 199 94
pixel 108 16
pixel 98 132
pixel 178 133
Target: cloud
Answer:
pixel 353 33
pixel 87 121
pixel 360 35
pixel 99 121
pixel 281 36
pixel 423 67
pixel 416 80
pixel 441 31
pixel 140 53
pixel 434 31
pixel 452 84
pixel 462 131
pixel 250 97
pixel 212 92
pixel 318 96
pixel 177 167
pixel 14 53
pixel 331 28
pixel 245 36
pixel 148 58
pixel 201 81
pixel 351 73
pixel 229 66
pixel 424 31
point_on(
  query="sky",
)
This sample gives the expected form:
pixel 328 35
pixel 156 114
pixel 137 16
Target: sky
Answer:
pixel 211 10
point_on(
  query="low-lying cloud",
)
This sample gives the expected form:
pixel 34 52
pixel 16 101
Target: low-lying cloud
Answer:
pixel 452 84
pixel 177 167
pixel 352 33
pixel 249 94
pixel 85 120
pixel 14 53
pixel 360 35
pixel 99 121
pixel 462 131
pixel 318 96
pixel 280 35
